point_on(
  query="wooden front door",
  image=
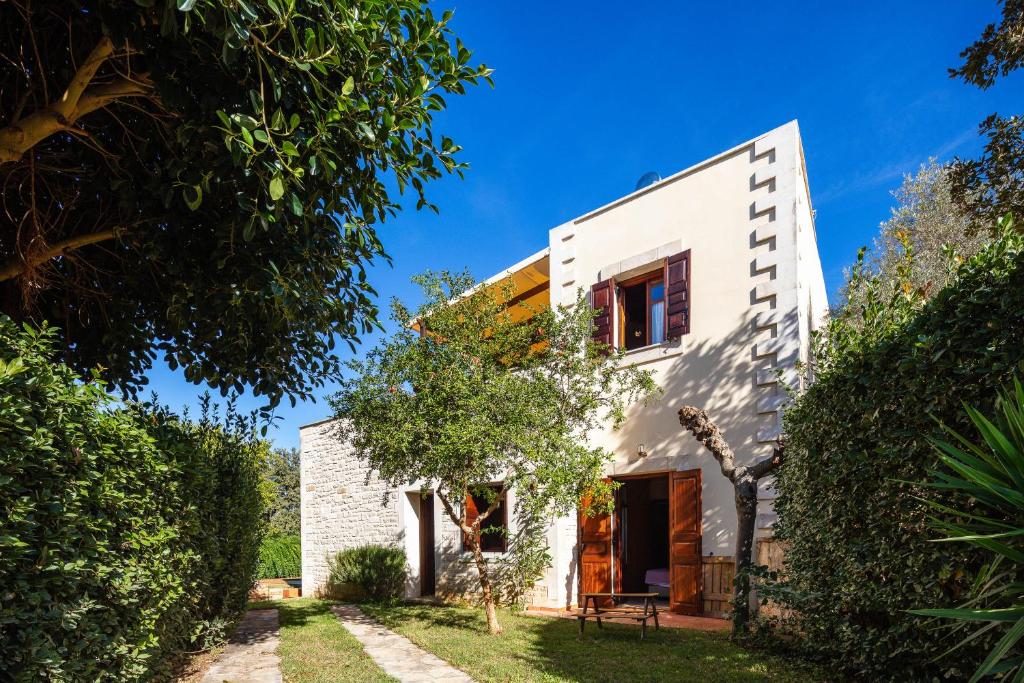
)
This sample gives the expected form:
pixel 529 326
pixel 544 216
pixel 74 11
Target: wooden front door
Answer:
pixel 427 544
pixel 684 542
pixel 595 553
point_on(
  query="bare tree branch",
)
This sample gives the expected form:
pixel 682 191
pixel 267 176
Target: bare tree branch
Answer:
pixel 13 269
pixel 745 483
pixel 81 97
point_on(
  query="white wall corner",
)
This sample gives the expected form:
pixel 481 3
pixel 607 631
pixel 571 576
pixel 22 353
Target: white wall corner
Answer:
pixel 768 347
pixel 766 290
pixel 763 147
pixel 764 175
pixel 764 205
pixel 771 432
pixel 766 232
pixel 772 403
pixel 766 261
pixel 765 319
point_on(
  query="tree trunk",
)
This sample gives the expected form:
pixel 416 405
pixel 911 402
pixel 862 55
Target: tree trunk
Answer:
pixel 472 532
pixel 744 481
pixel 746 519
pixel 493 627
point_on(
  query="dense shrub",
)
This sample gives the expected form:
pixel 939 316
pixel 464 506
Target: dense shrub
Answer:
pixel 376 571
pixel 859 552
pixel 126 534
pixel 280 556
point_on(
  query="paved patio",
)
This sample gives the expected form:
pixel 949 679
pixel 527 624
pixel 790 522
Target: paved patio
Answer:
pixel 665 618
pixel 397 655
pixel 250 656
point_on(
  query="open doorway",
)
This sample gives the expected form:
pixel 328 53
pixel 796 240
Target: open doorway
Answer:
pixel 653 539
pixel 427 578
pixel 642 527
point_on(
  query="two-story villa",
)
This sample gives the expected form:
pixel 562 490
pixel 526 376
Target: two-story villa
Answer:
pixel 711 279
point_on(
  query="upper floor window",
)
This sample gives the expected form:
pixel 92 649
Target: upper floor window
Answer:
pixel 645 310
pixel 642 311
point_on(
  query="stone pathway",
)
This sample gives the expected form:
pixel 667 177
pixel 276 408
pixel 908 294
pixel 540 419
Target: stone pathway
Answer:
pixel 250 656
pixel 396 654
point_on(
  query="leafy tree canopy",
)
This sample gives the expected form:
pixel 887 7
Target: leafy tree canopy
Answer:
pixel 927 223
pixel 998 51
pixel 485 396
pixel 992 185
pixel 201 180
pixel 281 474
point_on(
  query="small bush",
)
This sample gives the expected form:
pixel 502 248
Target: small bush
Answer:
pixel 127 535
pixel 280 556
pixel 376 571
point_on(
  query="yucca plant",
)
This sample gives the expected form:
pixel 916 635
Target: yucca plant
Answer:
pixel 990 475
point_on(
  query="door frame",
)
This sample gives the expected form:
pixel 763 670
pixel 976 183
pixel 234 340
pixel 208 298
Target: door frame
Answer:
pixel 615 544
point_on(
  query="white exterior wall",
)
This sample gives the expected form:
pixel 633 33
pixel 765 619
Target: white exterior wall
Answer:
pixel 756 293
pixel 742 215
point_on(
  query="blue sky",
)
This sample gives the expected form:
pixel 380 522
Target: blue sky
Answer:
pixel 590 96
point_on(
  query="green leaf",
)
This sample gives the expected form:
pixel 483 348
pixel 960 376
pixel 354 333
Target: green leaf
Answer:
pixel 349 86
pixel 186 5
pixel 193 195
pixel 276 188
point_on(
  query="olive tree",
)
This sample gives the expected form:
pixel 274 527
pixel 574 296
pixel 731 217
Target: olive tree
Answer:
pixel 744 479
pixel 476 394
pixel 926 223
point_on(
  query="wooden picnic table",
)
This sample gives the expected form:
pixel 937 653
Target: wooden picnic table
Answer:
pixel 617 611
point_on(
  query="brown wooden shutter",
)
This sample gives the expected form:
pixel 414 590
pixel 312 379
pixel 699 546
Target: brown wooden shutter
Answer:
pixel 685 543
pixel 471 514
pixel 601 296
pixel 595 534
pixel 677 294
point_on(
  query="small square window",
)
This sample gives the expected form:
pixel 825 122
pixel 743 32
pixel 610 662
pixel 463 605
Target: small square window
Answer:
pixel 494 529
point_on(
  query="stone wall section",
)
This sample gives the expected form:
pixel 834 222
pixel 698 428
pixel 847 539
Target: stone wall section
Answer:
pixel 343 504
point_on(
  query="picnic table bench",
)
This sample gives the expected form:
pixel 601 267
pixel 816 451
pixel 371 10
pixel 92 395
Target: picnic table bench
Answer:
pixel 617 611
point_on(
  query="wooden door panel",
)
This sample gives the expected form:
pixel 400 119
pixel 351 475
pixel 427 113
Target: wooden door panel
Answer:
pixel 685 542
pixel 595 552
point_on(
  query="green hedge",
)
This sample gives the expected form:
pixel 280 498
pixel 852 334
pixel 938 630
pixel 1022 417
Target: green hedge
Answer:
pixel 859 553
pixel 127 535
pixel 280 557
pixel 376 572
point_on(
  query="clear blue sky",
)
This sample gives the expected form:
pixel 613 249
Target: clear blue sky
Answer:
pixel 589 96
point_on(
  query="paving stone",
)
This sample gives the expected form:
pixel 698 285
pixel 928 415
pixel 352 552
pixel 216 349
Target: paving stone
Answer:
pixel 250 656
pixel 396 654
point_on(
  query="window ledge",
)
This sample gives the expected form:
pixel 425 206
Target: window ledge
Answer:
pixel 654 352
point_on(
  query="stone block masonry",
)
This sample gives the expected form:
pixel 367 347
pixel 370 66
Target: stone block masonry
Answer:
pixel 343 504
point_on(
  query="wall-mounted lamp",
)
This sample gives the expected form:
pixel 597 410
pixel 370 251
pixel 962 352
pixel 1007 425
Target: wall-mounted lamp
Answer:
pixel 641 451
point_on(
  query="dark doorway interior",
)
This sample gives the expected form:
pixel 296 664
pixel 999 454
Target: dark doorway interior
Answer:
pixel 427 544
pixel 643 528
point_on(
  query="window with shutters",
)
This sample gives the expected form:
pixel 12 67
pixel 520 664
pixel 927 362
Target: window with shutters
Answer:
pixel 494 529
pixel 644 310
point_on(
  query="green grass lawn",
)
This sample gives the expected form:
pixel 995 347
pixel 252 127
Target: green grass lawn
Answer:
pixel 316 648
pixel 547 649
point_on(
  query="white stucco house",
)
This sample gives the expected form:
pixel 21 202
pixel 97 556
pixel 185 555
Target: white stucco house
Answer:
pixel 711 279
